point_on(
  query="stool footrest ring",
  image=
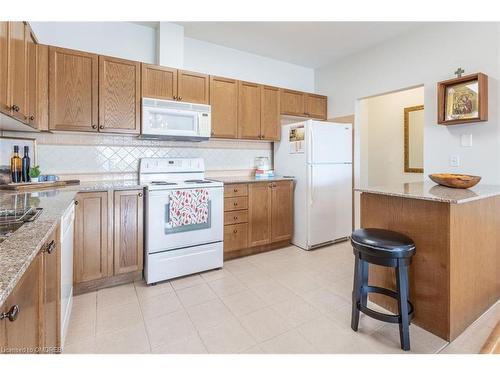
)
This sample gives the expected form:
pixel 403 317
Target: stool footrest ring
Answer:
pixel 388 318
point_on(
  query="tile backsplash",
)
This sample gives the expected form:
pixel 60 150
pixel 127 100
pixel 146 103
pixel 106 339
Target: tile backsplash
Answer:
pixel 91 156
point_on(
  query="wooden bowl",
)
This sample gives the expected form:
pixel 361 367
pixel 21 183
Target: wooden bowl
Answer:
pixel 457 181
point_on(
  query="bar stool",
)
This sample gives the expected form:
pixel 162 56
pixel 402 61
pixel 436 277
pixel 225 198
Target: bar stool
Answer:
pixel 389 249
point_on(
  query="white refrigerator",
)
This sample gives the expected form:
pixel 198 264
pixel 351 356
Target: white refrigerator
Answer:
pixel 319 155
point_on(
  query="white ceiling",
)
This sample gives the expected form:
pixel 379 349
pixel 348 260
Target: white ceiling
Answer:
pixel 310 44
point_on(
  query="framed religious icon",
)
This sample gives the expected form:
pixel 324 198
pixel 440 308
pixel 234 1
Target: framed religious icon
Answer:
pixel 463 100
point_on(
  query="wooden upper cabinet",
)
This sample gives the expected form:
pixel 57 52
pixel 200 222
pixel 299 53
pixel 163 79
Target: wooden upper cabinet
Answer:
pixel 281 211
pixel 91 237
pixel 39 110
pixel 259 214
pixel 73 90
pixel 119 95
pixel 18 70
pixel 224 102
pixel 193 87
pixel 31 49
pixel 51 260
pixel 23 333
pixel 270 123
pixel 249 110
pixel 128 231
pixel 316 106
pixel 4 63
pixel 292 102
pixel 159 82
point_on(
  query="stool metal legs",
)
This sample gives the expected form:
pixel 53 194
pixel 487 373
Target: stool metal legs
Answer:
pixel 402 286
pixel 360 299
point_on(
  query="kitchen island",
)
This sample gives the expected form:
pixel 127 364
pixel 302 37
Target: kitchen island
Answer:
pixel 454 275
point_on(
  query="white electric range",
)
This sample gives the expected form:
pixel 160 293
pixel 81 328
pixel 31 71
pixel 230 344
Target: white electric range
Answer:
pixel 172 252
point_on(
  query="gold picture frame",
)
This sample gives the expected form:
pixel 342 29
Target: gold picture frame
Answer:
pixel 408 168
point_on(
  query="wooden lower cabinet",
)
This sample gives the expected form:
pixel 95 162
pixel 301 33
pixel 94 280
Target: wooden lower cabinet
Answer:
pixel 33 323
pixel 262 219
pixel 108 247
pixel 128 231
pixel 259 214
pixel 91 237
pixel 51 270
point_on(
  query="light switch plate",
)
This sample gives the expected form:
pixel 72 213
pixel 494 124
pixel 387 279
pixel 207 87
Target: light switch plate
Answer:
pixel 454 160
pixel 466 140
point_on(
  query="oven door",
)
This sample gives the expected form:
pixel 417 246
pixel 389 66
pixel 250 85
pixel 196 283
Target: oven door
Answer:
pixel 161 237
pixel 171 122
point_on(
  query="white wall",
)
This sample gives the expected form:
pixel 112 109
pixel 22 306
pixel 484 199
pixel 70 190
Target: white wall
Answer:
pixel 137 42
pixel 219 60
pixel 383 126
pixel 425 56
pixel 118 39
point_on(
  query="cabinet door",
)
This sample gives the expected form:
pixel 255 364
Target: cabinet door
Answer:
pixel 31 48
pixel 119 95
pixel 128 231
pixel 41 105
pixel 73 77
pixel 259 214
pixel 224 102
pixel 270 123
pixel 281 211
pixel 18 70
pixel 4 62
pixel 23 334
pixel 91 237
pixel 316 106
pixel 159 82
pixel 292 103
pixel 51 259
pixel 249 110
pixel 193 87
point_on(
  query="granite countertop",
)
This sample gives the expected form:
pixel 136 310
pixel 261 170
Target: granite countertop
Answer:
pixel 18 251
pixel 248 179
pixel 104 185
pixel 428 190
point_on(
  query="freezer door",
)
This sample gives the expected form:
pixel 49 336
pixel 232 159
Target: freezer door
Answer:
pixel 328 142
pixel 330 202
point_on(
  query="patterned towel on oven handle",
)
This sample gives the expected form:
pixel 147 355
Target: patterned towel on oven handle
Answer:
pixel 188 207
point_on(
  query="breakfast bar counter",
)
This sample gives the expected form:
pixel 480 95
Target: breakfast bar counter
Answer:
pixel 454 275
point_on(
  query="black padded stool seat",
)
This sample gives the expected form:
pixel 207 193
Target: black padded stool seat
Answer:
pixel 383 243
pixel 389 249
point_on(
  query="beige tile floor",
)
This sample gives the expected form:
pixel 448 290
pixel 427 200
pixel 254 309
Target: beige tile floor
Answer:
pixel 285 301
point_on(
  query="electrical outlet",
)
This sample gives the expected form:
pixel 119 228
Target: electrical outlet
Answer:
pixel 455 161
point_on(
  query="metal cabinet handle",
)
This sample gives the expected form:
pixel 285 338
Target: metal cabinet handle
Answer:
pixel 15 108
pixel 101 126
pixel 175 97
pixel 49 249
pixel 179 98
pixel 235 217
pixel 235 204
pixel 94 126
pixel 76 203
pixel 235 231
pixel 140 194
pixel 11 314
pixel 235 190
pixel 32 118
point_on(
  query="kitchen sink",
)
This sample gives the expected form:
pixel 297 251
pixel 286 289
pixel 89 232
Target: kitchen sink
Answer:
pixel 12 220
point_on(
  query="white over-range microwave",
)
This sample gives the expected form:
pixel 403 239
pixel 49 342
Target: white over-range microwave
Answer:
pixel 169 119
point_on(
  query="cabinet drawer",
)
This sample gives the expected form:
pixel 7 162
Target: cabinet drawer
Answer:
pixel 235 237
pixel 235 190
pixel 236 203
pixel 235 217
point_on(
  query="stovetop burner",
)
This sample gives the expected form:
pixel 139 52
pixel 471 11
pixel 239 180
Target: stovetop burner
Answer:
pixel 163 183
pixel 198 182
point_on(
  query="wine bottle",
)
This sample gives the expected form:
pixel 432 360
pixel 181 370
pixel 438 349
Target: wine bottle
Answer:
pixel 15 166
pixel 26 165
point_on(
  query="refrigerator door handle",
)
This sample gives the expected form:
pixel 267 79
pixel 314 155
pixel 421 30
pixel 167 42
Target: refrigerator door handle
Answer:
pixel 311 186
